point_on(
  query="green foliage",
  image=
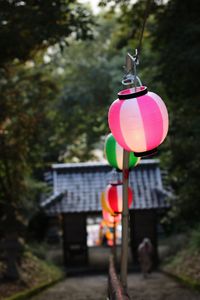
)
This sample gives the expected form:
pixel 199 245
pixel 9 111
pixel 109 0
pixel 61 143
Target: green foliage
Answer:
pixel 195 239
pixel 184 264
pixel 28 95
pixel 176 42
pixel 89 76
pixel 169 65
pixel 38 249
pixel 37 276
pixel 130 17
pixel 90 80
pixel 27 26
pixel 24 122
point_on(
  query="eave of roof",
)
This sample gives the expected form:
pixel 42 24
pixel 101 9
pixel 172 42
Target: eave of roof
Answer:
pixel 52 199
pixel 97 164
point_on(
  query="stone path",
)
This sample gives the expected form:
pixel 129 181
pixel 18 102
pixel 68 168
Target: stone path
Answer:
pixel 156 287
pixel 77 288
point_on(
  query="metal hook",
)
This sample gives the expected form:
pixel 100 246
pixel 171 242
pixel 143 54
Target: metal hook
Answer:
pixel 131 61
pixel 131 79
pixel 131 73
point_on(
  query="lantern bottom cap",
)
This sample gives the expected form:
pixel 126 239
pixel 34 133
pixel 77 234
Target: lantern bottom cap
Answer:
pixel 146 153
pixel 116 213
pixel 120 171
pixel 116 183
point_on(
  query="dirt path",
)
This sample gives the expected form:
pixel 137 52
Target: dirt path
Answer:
pixel 156 287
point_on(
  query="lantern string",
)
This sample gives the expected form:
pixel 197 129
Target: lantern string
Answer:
pixel 130 76
pixel 139 48
pixel 146 14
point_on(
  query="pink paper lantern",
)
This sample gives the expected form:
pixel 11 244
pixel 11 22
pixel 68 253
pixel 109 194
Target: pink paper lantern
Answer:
pixel 138 120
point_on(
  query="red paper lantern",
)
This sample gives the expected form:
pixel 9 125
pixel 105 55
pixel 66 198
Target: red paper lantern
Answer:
pixel 138 120
pixel 114 197
pixel 105 205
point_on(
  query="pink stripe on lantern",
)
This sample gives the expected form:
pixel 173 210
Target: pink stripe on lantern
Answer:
pixel 152 121
pixel 164 113
pixel 132 126
pixel 114 123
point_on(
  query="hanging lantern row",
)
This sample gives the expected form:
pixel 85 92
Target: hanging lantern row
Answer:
pixel 114 154
pixel 138 120
pixel 112 198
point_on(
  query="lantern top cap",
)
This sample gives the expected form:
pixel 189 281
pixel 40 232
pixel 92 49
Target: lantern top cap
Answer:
pixel 132 92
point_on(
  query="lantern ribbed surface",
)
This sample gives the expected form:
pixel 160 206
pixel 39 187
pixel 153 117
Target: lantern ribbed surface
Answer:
pixel 114 154
pixel 138 124
pixel 114 197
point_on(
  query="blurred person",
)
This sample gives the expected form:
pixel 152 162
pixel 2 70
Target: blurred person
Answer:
pixel 145 255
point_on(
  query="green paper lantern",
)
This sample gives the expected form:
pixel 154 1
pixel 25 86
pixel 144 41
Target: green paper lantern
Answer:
pixel 114 154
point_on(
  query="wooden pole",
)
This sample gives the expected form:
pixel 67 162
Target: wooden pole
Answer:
pixel 130 67
pixel 124 252
pixel 114 242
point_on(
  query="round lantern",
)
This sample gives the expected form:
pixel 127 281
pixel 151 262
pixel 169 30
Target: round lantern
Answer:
pixel 109 219
pixel 114 154
pixel 138 120
pixel 114 197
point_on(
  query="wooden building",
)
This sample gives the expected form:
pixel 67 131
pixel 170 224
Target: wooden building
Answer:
pixel 76 194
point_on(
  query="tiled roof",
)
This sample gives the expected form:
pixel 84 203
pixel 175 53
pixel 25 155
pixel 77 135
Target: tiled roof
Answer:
pixel 77 187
